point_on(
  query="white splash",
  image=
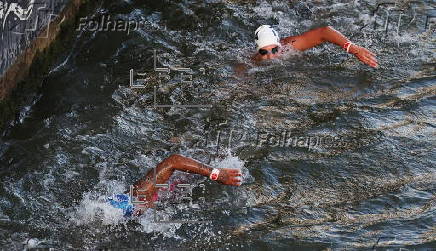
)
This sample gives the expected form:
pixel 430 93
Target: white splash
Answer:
pixel 93 209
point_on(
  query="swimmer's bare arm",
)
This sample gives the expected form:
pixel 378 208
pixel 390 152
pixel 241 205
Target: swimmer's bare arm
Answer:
pixel 321 35
pixel 164 170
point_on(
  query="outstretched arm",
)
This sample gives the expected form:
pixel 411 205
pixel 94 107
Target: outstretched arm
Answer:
pixel 145 186
pixel 321 35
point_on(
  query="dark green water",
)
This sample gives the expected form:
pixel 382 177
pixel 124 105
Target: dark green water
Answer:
pixel 334 154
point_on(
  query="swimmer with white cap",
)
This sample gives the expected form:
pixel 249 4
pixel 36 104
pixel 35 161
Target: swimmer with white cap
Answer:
pixel 269 45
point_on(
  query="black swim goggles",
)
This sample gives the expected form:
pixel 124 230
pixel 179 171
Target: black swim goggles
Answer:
pixel 273 51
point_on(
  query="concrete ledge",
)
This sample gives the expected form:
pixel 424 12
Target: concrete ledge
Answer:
pixel 25 73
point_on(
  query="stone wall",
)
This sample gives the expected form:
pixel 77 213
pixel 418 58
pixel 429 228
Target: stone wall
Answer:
pixel 28 30
pixel 21 22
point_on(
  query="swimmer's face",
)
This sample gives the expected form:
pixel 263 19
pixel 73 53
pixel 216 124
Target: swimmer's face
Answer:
pixel 269 52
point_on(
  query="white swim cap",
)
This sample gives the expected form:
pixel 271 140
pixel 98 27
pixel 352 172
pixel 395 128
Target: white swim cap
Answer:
pixel 266 35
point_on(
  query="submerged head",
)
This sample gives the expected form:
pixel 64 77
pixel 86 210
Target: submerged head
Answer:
pixel 122 201
pixel 267 42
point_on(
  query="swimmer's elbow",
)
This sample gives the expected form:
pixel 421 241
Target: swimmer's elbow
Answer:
pixel 328 32
pixel 175 157
pixel 326 28
pixel 324 32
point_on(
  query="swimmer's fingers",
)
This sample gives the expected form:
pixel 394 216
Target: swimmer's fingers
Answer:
pixel 371 63
pixel 368 51
pixel 230 182
pixel 236 172
pixel 371 53
pixel 371 60
pixel 235 177
pixel 229 176
pixel 236 182
pixel 366 57
pixel 370 57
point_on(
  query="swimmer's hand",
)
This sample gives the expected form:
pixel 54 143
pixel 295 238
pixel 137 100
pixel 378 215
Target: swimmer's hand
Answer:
pixel 364 55
pixel 240 69
pixel 228 176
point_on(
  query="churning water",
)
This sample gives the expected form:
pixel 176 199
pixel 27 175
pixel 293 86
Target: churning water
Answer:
pixel 334 154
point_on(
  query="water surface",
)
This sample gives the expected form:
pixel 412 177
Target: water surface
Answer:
pixel 334 153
